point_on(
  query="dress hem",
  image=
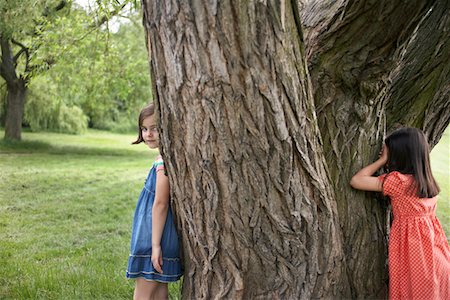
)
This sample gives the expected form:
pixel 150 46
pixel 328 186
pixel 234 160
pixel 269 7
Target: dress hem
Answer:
pixel 153 276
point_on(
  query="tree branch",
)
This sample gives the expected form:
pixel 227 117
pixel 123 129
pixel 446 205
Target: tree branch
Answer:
pixel 420 89
pixel 22 50
pixel 7 70
pixel 361 56
pixel 108 16
pixel 48 11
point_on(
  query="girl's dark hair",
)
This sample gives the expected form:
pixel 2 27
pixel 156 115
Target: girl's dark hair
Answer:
pixel 145 113
pixel 409 153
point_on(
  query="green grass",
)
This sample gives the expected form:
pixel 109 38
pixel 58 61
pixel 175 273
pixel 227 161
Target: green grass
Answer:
pixel 66 206
pixel 440 165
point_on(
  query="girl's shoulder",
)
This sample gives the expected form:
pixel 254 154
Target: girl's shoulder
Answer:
pixel 396 175
pixel 395 183
pixel 158 164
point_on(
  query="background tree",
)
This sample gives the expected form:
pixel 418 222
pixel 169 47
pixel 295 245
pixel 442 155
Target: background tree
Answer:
pixel 20 28
pixel 103 75
pixel 267 109
pixel 43 33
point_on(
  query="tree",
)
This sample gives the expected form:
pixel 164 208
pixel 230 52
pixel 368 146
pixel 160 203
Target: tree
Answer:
pixel 21 21
pixel 267 108
pixel 101 74
pixel 24 30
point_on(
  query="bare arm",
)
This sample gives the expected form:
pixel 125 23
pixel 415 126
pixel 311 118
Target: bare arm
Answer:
pixel 363 179
pixel 159 216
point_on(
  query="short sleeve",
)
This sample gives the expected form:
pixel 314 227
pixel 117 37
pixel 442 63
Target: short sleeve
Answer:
pixel 393 184
pixel 159 164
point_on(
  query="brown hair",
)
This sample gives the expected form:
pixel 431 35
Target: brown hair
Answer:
pixel 409 153
pixel 145 113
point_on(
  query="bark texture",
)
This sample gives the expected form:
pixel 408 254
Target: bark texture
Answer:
pixel 15 104
pixel 261 130
pixel 374 65
pixel 253 199
pixel 16 92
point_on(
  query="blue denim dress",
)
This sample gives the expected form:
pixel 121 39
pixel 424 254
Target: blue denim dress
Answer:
pixel 139 261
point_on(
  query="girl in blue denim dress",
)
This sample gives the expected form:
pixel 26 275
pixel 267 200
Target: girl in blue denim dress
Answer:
pixel 154 253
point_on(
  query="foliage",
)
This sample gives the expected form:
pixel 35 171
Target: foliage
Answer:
pixel 23 24
pixel 106 75
pixel 46 111
pixel 103 74
pixel 17 14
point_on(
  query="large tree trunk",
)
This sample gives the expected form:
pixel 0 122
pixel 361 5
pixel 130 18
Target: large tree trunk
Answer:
pixel 259 183
pixel 16 92
pixel 253 198
pixel 380 64
pixel 15 104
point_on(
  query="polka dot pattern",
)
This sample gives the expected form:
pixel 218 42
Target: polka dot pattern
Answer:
pixel 419 254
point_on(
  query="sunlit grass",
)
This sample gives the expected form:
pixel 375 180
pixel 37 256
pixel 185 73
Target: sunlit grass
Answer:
pixel 66 206
pixel 92 143
pixel 440 164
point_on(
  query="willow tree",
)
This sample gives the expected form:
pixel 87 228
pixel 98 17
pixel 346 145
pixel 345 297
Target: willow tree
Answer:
pixel 28 27
pixel 266 109
pixel 21 26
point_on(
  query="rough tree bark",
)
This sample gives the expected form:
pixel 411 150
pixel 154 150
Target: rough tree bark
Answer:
pixel 259 183
pixel 15 104
pixel 16 92
pixel 374 65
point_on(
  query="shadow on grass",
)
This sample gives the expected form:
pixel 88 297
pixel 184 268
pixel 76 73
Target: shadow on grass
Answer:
pixel 8 146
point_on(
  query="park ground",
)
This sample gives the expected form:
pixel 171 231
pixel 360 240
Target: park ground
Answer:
pixel 66 205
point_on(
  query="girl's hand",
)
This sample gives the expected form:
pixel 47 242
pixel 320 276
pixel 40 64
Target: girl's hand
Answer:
pixel 157 259
pixel 384 154
pixel 365 180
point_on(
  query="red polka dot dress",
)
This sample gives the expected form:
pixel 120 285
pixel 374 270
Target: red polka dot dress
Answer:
pixel 419 253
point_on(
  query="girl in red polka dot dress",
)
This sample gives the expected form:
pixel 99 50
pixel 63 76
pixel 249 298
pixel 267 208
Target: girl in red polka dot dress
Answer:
pixel 419 253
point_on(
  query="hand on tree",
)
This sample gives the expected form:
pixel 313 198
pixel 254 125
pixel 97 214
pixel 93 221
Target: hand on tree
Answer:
pixel 384 154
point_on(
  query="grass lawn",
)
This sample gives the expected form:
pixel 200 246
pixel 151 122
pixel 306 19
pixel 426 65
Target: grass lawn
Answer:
pixel 440 165
pixel 66 206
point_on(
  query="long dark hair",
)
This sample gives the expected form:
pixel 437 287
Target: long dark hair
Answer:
pixel 145 113
pixel 409 153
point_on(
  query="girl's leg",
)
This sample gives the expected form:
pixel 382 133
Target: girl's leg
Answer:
pixel 144 289
pixel 150 290
pixel 162 292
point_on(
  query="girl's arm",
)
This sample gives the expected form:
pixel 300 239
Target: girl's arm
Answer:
pixel 363 179
pixel 159 215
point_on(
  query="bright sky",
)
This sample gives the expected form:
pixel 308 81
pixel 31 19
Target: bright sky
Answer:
pixel 114 23
pixel 84 3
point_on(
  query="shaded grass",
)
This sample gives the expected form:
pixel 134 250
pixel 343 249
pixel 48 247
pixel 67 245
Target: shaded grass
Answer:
pixel 93 143
pixel 66 206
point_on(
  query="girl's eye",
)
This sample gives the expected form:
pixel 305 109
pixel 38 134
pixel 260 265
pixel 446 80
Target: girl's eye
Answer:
pixel 152 129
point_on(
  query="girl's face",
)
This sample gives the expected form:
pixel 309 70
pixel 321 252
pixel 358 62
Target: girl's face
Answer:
pixel 150 132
